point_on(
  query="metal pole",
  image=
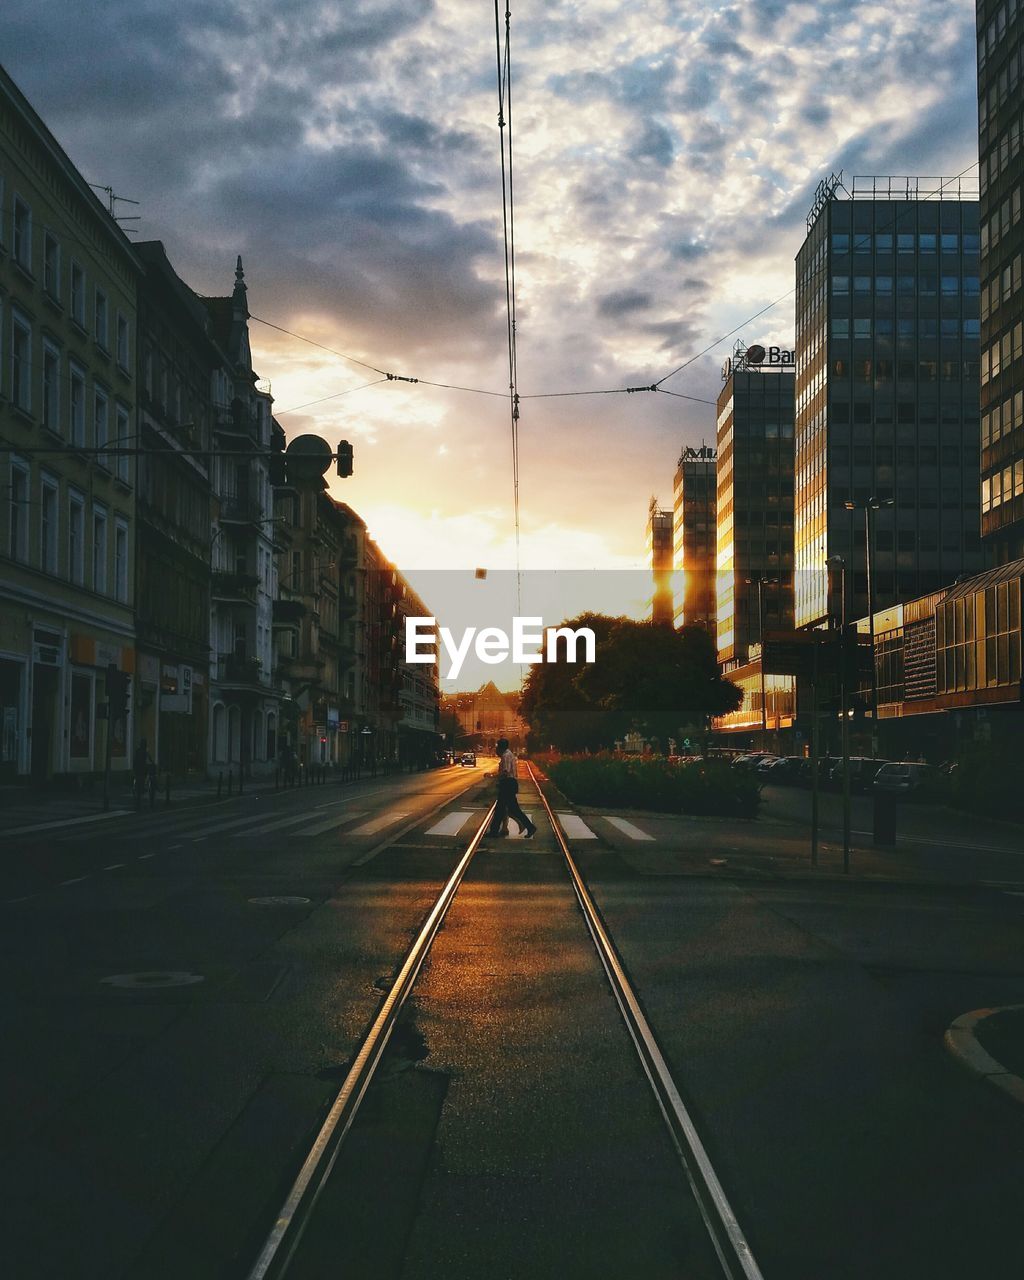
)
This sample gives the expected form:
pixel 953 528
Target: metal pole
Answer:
pixel 844 700
pixel 871 627
pixel 760 638
pixel 814 757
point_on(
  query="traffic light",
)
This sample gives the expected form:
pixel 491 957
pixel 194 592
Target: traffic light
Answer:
pixel 344 459
pixel 117 692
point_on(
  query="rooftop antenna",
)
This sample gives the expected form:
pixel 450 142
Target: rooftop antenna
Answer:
pixel 113 201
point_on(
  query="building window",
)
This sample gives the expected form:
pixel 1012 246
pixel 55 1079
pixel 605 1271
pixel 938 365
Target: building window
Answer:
pixel 17 542
pixel 78 295
pixel 122 342
pixel 99 549
pixel 51 387
pixel 100 425
pixel 48 525
pixel 76 405
pixel 121 561
pixel 21 362
pixel 76 538
pixel 21 242
pixel 124 440
pixel 51 265
pixel 100 319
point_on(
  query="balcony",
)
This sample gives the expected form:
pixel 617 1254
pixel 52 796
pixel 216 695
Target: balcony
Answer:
pixel 347 604
pixel 234 588
pixel 237 670
pixel 288 611
pixel 348 553
pixel 240 510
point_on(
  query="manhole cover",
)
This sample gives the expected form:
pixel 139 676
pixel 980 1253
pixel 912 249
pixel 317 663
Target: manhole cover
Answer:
pixel 280 901
pixel 153 979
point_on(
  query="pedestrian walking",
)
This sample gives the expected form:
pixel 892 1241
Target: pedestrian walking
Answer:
pixel 507 805
pixel 142 762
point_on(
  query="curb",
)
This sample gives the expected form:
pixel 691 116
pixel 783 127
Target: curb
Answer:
pixel 963 1044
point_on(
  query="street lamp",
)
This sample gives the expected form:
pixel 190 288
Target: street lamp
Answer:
pixel 761 584
pixel 837 562
pixel 869 507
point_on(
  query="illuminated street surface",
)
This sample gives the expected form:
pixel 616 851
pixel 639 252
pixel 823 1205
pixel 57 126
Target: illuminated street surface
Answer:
pixel 154 1121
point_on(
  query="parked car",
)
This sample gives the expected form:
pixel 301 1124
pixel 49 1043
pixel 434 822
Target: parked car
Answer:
pixel 906 778
pixel 825 766
pixel 862 773
pixel 784 771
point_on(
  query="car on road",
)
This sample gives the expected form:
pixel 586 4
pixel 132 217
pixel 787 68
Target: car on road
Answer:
pixel 467 758
pixel 906 778
pixel 862 773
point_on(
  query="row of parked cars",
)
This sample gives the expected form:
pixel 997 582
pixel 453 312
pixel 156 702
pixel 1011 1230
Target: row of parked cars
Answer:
pixel 895 777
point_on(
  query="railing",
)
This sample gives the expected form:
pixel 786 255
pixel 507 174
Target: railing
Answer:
pixel 239 670
pixel 231 587
pixel 240 509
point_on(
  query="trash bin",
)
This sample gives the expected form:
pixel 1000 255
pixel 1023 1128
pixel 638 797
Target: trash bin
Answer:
pixel 885 818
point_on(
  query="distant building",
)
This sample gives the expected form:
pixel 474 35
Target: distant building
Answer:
pixel 1000 34
pixel 694 537
pixel 177 360
pixel 68 386
pixel 659 552
pixel 485 716
pixel 754 503
pixel 886 392
pixel 244 708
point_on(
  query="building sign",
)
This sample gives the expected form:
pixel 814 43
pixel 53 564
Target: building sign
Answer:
pixel 758 357
pixel 706 453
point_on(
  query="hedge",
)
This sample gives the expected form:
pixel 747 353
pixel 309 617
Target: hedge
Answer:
pixel 645 782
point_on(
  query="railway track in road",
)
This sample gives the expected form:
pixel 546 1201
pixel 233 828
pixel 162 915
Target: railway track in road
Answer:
pixel 282 1244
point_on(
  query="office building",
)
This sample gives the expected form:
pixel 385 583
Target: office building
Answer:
pixel 694 537
pixel 754 554
pixel 1001 178
pixel 659 554
pixel 887 438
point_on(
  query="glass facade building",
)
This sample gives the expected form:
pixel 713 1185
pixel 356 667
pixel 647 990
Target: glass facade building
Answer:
pixel 659 551
pixel 1001 178
pixel 755 508
pixel 887 322
pixel 693 505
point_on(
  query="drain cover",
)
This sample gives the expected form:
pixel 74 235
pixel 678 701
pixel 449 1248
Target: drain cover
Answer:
pixel 280 901
pixel 153 979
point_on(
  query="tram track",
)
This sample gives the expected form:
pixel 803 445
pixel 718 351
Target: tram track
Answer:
pixel 282 1243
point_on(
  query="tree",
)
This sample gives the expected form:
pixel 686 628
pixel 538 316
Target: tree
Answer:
pixel 646 676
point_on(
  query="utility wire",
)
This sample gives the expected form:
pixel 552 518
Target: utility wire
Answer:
pixel 280 413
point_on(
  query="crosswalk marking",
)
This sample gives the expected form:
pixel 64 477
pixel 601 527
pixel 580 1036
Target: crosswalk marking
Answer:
pixel 575 828
pixel 628 829
pixel 66 822
pixel 450 824
pixel 292 821
pixel 320 827
pixel 378 824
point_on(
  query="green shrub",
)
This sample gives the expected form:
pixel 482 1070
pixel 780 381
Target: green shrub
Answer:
pixel 704 787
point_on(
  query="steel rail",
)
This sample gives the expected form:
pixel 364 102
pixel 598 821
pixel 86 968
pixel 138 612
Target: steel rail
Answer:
pixel 280 1245
pixel 734 1253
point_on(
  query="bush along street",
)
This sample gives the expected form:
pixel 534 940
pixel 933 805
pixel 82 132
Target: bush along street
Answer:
pixel 707 787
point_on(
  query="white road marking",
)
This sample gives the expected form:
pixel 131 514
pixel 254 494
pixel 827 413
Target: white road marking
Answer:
pixel 518 835
pixel 66 822
pixel 173 847
pixel 628 829
pixel 114 866
pixel 320 827
pixel 263 828
pixel 451 824
pixel 73 880
pixel 378 824
pixel 27 898
pixel 575 828
pixel 143 856
pixel 949 844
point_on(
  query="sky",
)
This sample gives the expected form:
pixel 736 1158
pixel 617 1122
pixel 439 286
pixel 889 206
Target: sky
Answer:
pixel 666 154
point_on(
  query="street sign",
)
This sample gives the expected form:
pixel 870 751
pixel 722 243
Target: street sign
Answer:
pixel 792 653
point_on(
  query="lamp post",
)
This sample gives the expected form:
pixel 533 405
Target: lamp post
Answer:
pixel 761 584
pixel 837 562
pixel 872 505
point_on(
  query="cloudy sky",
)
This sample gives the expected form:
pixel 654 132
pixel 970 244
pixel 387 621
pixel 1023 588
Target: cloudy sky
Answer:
pixel 666 154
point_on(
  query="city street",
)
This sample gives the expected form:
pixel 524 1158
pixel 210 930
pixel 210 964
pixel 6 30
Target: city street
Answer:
pixel 178 1022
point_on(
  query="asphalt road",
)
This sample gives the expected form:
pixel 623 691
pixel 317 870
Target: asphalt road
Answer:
pixel 152 1124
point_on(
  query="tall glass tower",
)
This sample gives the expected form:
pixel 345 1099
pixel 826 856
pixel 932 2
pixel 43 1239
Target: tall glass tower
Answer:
pixel 887 436
pixel 1001 179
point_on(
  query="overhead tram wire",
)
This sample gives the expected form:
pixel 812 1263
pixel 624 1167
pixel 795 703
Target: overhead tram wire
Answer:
pixel 503 58
pixel 280 413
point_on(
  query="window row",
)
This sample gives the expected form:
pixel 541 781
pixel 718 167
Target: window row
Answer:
pixel 56 391
pixel 1002 154
pixel 905 242
pixel 880 371
pixel 1001 288
pixel 903 327
pixel 1001 220
pixel 1003 418
pixel 64 284
pixel 995 29
pixel 1002 353
pixel 924 285
pixel 1004 485
pixel 1002 87
pixel 66 535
